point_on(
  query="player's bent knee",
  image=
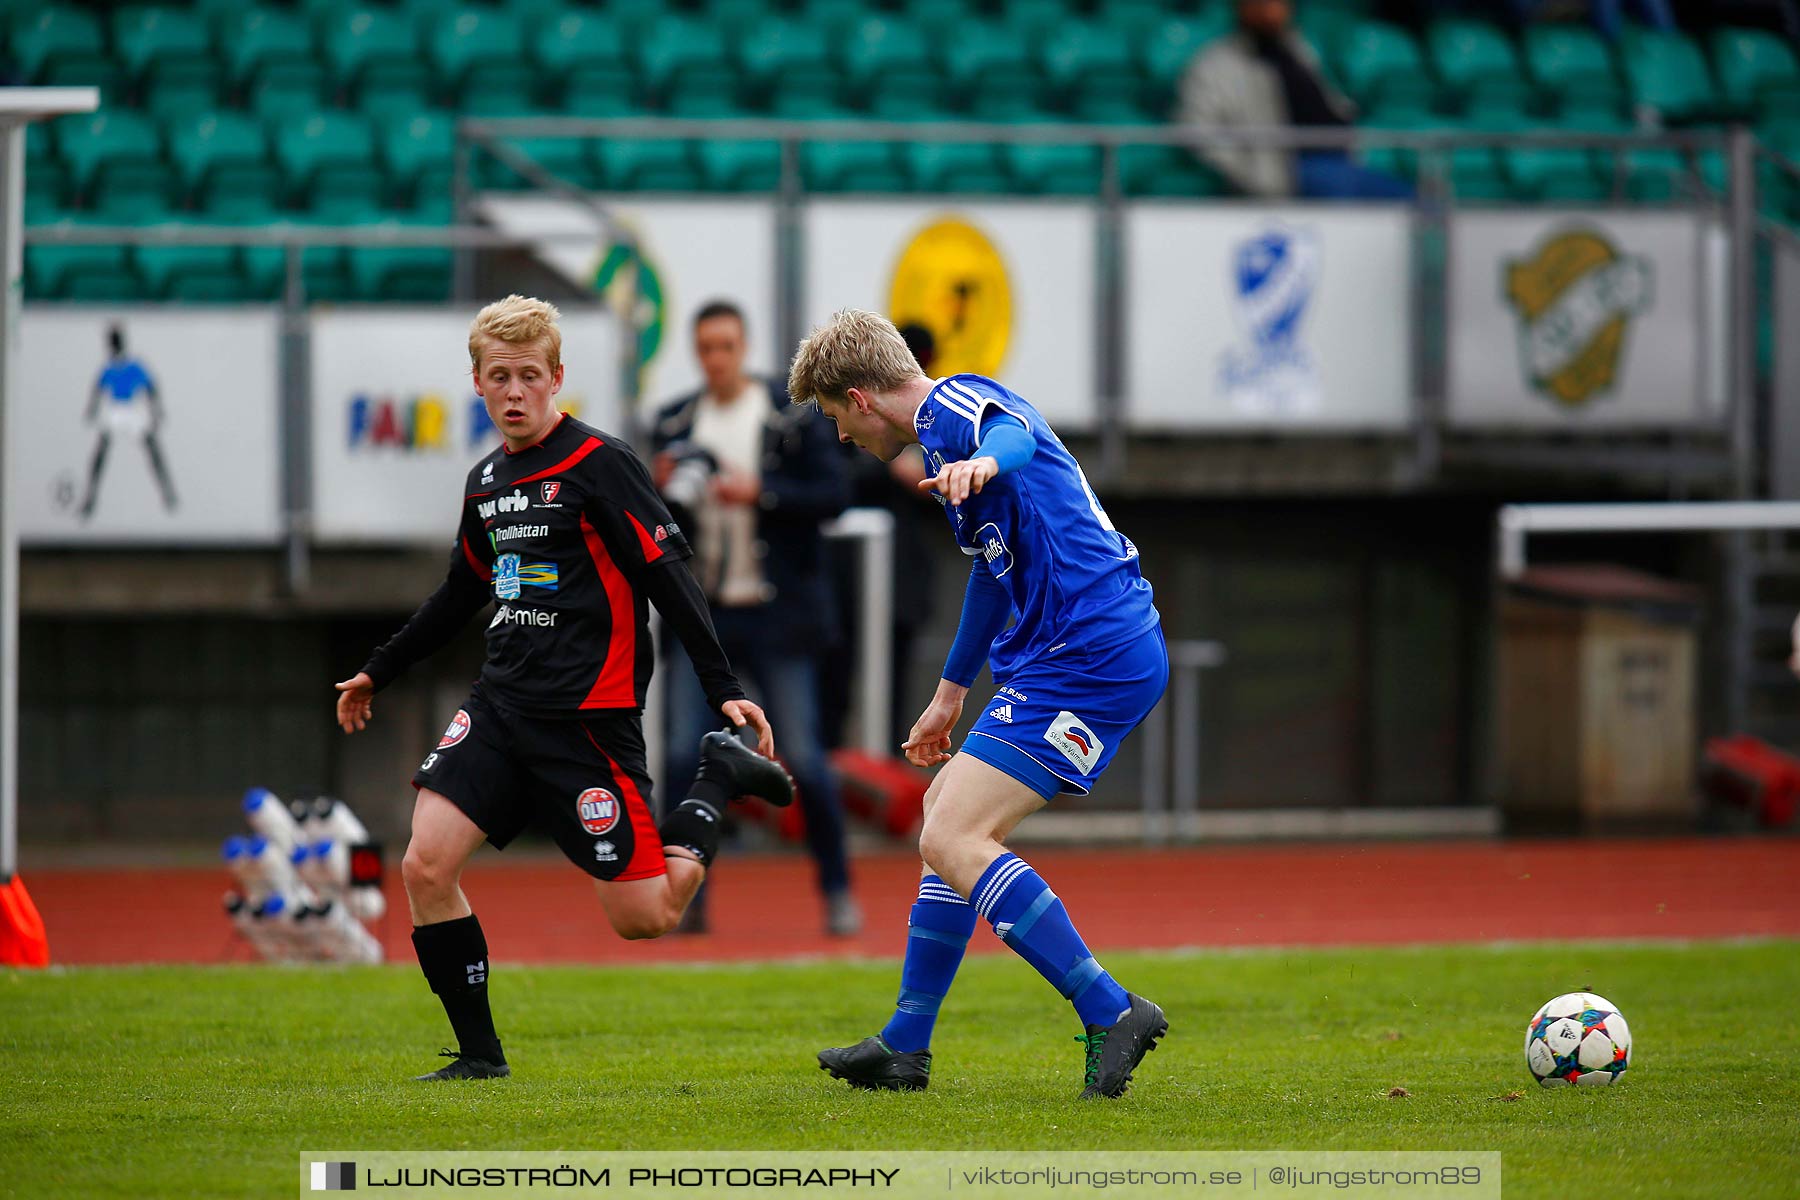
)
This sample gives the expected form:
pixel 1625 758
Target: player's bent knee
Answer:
pixel 424 875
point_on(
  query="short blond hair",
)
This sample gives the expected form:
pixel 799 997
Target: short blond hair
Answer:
pixel 854 348
pixel 520 321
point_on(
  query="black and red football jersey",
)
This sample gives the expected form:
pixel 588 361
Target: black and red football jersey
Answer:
pixel 561 534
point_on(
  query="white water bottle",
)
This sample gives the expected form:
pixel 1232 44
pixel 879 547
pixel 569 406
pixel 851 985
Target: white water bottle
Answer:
pixel 331 864
pixel 269 817
pixel 243 917
pixel 367 903
pixel 271 867
pixel 236 853
pixel 340 823
pixel 277 917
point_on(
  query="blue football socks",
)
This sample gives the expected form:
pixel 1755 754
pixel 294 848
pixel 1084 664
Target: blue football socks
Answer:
pixel 1029 918
pixel 937 936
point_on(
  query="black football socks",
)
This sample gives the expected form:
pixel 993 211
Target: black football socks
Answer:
pixel 454 957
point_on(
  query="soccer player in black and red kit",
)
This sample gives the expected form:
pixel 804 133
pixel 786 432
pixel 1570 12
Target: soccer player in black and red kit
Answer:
pixel 562 529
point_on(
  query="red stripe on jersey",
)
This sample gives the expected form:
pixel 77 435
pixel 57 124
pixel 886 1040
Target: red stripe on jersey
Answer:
pixel 481 569
pixel 647 859
pixel 582 451
pixel 616 685
pixel 652 551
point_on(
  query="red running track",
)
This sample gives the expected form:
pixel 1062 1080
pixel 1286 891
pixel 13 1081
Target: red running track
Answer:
pixel 543 910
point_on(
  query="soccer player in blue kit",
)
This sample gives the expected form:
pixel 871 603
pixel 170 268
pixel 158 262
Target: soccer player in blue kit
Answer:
pixel 1079 669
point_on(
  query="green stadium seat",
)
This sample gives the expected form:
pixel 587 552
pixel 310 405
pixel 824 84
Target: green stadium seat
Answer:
pixel 174 96
pixel 191 273
pixel 935 18
pixel 733 165
pixel 1166 171
pixel 222 160
pixel 835 17
pixel 475 41
pixel 1090 66
pixel 372 47
pixel 389 98
pixel 1374 59
pixel 1066 170
pixel 1033 20
pixel 1135 19
pixel 955 167
pixel 418 152
pixel 569 159
pixel 586 52
pixel 46 192
pixel 164 43
pixel 46 45
pixel 993 74
pixel 329 157
pixel 1573 65
pixel 287 89
pixel 1171 46
pixel 1469 54
pixel 1553 174
pixel 254 38
pixel 1496 94
pixel 685 67
pixel 80 272
pixel 851 167
pixel 108 142
pixel 1750 65
pixel 648 164
pixel 890 67
pixel 789 66
pixel 414 274
pixel 1665 71
pixel 265 267
pixel 738 17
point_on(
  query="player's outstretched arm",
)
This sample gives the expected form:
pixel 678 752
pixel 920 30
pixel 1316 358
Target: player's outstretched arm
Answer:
pixel 671 586
pixel 355 702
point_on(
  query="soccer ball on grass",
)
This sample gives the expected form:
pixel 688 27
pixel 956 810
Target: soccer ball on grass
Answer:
pixel 1579 1038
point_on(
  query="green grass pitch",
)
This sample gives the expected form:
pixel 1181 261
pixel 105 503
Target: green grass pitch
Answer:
pixel 209 1081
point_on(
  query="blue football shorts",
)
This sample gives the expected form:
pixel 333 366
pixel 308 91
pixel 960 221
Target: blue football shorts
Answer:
pixel 1056 723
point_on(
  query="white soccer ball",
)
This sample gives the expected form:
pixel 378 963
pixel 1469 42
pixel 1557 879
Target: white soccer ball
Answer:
pixel 1579 1038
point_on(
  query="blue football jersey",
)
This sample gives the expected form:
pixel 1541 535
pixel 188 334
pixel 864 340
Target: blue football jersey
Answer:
pixel 1073 579
pixel 122 381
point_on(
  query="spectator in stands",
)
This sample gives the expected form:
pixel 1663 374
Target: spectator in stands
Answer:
pixel 751 478
pixel 1264 74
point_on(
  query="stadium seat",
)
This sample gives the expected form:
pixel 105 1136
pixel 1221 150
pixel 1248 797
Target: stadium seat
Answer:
pixel 1466 54
pixel 164 44
pixel 191 273
pixel 1135 19
pixel 647 164
pixel 222 160
pixel 685 67
pixel 789 68
pixel 372 48
pixel 1553 174
pixel 851 167
pixel 111 143
pixel 736 18
pixel 54 45
pixel 287 89
pixel 329 155
pixel 1665 72
pixel 993 75
pixel 935 18
pixel 833 16
pixel 1166 171
pixel 1751 65
pixel 175 96
pixel 415 274
pixel 955 167
pixel 257 37
pixel 890 67
pixel 475 41
pixel 1033 20
pixel 569 159
pixel 734 165
pixel 419 154
pixel 1053 169
pixel 1573 65
pixel 586 52
pixel 1089 66
pixel 80 272
pixel 1374 59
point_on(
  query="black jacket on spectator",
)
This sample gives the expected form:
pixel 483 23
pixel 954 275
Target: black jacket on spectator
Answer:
pixel 804 483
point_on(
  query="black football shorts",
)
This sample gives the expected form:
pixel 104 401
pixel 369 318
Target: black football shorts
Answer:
pixel 584 780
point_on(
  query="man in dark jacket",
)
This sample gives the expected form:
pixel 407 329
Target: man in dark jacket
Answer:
pixel 751 478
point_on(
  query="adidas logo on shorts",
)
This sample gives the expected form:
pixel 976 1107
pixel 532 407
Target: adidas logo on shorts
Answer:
pixel 1002 713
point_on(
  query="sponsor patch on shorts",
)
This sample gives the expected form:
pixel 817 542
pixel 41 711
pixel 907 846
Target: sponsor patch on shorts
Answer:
pixel 1077 743
pixel 456 731
pixel 598 810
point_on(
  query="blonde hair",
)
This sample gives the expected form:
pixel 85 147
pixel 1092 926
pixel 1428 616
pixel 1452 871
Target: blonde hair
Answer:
pixel 518 320
pixel 854 348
